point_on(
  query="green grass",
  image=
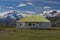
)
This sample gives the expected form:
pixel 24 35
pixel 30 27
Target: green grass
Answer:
pixel 30 34
pixel 33 19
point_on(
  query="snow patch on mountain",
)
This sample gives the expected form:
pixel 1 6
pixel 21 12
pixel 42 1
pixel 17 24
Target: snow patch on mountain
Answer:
pixel 51 13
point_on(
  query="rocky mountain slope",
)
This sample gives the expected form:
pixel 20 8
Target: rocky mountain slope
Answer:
pixel 10 18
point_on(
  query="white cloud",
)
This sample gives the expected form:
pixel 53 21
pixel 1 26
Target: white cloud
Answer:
pixel 46 7
pixel 29 3
pixel 6 12
pixel 10 7
pixel 21 5
pixel 31 12
pixel 3 13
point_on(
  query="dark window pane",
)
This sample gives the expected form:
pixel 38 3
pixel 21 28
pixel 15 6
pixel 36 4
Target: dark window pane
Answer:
pixel 33 24
pixel 20 24
pixel 29 24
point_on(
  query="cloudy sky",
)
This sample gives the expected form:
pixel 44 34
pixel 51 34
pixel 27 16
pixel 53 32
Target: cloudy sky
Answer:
pixel 29 5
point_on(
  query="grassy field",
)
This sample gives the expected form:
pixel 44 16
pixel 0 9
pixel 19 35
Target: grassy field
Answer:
pixel 30 34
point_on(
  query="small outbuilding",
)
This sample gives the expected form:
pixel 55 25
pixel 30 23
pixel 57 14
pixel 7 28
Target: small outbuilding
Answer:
pixel 39 22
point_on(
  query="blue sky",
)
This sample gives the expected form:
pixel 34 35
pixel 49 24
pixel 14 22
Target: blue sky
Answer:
pixel 29 5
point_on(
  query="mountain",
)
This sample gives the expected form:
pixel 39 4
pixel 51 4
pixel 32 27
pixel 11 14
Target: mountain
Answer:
pixel 54 17
pixel 51 13
pixel 10 18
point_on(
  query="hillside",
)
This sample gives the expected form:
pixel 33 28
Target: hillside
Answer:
pixel 30 34
pixel 55 21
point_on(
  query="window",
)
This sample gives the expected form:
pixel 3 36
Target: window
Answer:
pixel 33 24
pixel 20 24
pixel 29 24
